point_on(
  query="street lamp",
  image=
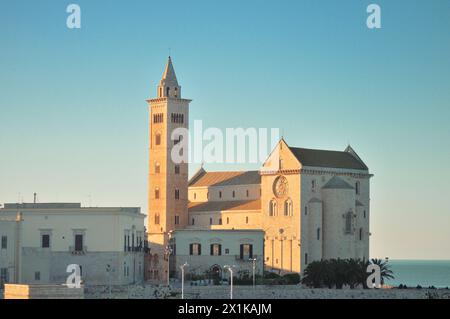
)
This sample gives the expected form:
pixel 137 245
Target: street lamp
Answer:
pixel 182 278
pixel 230 269
pixel 253 260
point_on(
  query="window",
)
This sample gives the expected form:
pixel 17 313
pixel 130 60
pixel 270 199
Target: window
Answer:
pixel 246 219
pixel 158 139
pixel 220 221
pixel 158 118
pixel 157 168
pixel 364 214
pixel 157 193
pixel 272 208
pixel 313 185
pixel 216 249
pixel 306 259
pixel 4 242
pixel 177 220
pixel 247 193
pixel 348 222
pixel 246 251
pixel 306 210
pixel 45 241
pixel 125 242
pixel 37 276
pixel 288 207
pixel 4 276
pixel 78 242
pixel 167 91
pixel 220 194
pixel 177 169
pixel 228 220
pixel 318 233
pixel 193 221
pixel 210 221
pixel 195 249
pixel 357 188
pixel 227 251
pixel 177 118
pixel 157 219
pixel 234 194
pixel 195 195
pixel 177 194
pixel 360 234
pixel 177 140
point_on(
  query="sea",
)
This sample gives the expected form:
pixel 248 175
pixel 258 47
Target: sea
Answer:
pixel 425 273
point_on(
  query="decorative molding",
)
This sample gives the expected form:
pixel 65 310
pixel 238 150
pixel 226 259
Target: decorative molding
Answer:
pixel 315 172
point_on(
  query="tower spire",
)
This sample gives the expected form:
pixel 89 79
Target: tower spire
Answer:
pixel 168 86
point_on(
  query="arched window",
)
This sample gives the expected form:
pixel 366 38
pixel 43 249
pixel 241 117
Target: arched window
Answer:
pixel 157 168
pixel 318 233
pixel 167 91
pixel 273 208
pixel 348 222
pixel 157 193
pixel 313 185
pixel 357 188
pixel 288 207
pixel 158 139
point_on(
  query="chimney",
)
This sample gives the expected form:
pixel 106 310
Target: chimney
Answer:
pixel 35 195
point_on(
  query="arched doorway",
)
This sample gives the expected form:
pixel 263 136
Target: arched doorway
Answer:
pixel 215 272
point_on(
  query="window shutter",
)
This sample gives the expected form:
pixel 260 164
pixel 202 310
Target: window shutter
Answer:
pixel 220 250
pixel 212 249
pixel 250 251
pixel 242 252
pixel 191 249
pixel 199 249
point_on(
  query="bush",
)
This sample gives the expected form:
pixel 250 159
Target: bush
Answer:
pixel 292 279
pixel 337 273
pixel 270 275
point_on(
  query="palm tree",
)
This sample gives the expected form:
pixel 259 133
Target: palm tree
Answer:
pixel 385 269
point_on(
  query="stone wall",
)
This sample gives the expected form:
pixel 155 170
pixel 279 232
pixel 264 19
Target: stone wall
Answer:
pixel 260 292
pixel 42 292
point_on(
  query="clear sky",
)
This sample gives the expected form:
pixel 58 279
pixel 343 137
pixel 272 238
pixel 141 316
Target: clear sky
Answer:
pixel 73 116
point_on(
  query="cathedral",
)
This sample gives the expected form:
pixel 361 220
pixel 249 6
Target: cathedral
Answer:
pixel 302 205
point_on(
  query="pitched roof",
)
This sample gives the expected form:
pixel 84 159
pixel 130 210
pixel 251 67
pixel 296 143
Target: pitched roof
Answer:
pixel 225 206
pixel 225 178
pixel 332 159
pixel 169 77
pixel 337 183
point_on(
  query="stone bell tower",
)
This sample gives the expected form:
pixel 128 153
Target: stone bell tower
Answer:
pixel 168 176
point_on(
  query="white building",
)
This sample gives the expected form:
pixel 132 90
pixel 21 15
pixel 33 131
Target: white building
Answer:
pixel 39 241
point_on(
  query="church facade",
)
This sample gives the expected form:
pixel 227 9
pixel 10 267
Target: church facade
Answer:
pixel 302 205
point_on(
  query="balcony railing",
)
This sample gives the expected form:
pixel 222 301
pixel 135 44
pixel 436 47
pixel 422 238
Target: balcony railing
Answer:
pixel 245 258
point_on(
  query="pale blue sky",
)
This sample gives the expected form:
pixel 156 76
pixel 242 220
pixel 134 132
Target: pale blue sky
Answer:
pixel 74 118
